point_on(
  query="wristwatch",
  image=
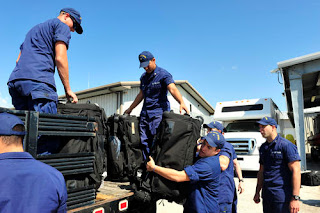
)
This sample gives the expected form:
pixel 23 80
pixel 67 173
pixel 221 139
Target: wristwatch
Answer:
pixel 295 197
pixel 241 180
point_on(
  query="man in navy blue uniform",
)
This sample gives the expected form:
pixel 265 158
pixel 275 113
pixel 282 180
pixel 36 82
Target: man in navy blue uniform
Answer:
pixel 31 84
pixel 27 185
pixel 228 161
pixel 204 175
pixel 279 175
pixel 154 86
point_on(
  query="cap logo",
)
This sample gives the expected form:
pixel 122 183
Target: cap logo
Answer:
pixel 266 118
pixel 141 57
pixel 218 137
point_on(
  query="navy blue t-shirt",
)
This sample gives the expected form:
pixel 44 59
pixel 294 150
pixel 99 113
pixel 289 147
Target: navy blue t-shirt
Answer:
pixel 277 177
pixel 37 60
pixel 227 186
pixel 204 178
pixel 28 185
pixel 154 89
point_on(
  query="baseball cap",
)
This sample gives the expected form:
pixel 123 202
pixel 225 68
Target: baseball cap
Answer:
pixel 145 58
pixel 76 18
pixel 214 124
pixel 215 139
pixel 7 122
pixel 267 121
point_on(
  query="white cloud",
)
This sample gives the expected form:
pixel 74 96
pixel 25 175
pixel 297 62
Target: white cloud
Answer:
pixel 5 101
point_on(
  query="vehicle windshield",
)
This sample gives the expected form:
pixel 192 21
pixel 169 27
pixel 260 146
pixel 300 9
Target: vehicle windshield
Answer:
pixel 243 126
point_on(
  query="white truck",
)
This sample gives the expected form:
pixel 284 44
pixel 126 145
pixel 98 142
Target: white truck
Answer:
pixel 242 130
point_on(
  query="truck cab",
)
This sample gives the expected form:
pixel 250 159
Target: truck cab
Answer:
pixel 242 130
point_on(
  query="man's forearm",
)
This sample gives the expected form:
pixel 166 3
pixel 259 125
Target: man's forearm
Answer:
pixel 64 75
pixel 259 182
pixel 171 174
pixel 61 59
pixel 175 93
pixel 238 169
pixel 296 182
pixel 136 101
pixel 296 179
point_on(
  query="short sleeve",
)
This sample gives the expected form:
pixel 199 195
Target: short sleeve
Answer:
pixel 292 153
pixel 62 33
pixel 167 78
pixel 63 198
pixel 142 80
pixel 226 151
pixel 201 170
pixel 234 154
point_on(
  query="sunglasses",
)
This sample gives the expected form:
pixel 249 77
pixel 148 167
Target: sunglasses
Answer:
pixel 75 23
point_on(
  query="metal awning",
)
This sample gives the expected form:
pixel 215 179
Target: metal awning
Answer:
pixel 308 68
pixel 301 78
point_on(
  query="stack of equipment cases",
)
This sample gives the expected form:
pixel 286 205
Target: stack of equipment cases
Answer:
pixel 124 149
pixel 70 165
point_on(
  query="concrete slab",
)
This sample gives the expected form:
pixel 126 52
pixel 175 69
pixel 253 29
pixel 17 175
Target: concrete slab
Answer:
pixel 310 199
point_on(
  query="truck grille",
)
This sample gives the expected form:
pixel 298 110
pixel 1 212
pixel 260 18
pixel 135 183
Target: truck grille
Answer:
pixel 242 146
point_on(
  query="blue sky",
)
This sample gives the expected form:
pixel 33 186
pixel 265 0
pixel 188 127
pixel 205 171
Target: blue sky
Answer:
pixel 225 49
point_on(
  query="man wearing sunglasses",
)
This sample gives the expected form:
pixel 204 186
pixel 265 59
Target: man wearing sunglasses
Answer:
pixel 31 84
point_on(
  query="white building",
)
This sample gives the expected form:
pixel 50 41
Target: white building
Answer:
pixel 117 97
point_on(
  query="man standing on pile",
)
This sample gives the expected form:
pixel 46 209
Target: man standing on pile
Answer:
pixel 204 176
pixel 279 175
pixel 228 161
pixel 154 86
pixel 31 84
pixel 27 185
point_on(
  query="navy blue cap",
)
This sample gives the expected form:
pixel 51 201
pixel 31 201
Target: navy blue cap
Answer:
pixel 76 16
pixel 215 139
pixel 7 122
pixel 267 121
pixel 214 124
pixel 145 57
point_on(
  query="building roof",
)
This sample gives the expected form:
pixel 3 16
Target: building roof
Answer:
pixel 127 85
pixel 308 67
